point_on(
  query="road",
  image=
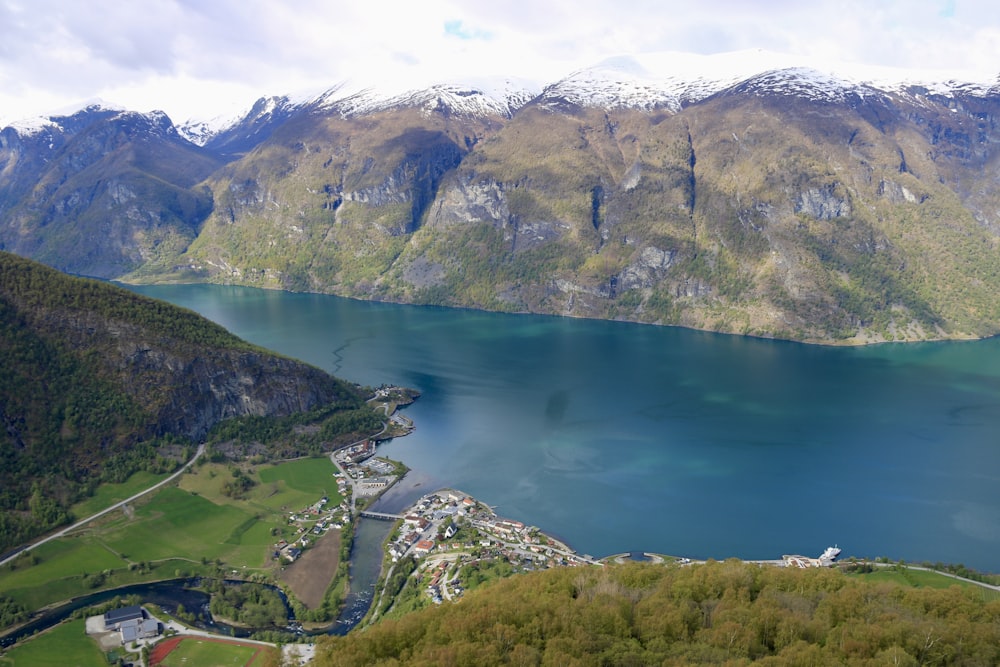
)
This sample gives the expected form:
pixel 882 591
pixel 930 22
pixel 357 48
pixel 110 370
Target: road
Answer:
pixel 64 531
pixel 336 463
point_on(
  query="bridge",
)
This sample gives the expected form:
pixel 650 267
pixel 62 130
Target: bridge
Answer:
pixel 381 516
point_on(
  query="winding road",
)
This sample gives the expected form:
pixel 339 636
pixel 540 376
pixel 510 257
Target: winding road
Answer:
pixel 118 505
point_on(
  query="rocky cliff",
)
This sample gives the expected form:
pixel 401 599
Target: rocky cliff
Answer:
pixel 785 203
pixel 183 372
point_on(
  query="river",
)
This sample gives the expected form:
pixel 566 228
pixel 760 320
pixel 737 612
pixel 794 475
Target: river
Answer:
pixel 169 595
pixel 619 437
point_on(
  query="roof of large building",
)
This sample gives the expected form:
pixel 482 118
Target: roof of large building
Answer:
pixel 122 614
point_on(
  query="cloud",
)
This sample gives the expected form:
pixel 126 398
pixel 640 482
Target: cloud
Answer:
pixel 63 50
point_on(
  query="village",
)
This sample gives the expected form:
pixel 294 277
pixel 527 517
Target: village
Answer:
pixel 447 529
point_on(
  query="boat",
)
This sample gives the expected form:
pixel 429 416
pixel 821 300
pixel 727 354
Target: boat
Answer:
pixel 831 553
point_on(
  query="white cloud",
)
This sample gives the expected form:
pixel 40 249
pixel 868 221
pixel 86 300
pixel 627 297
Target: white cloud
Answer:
pixel 197 57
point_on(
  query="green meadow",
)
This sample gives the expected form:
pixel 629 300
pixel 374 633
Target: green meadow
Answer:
pixel 906 576
pixel 66 645
pixel 107 495
pixel 181 530
pixel 299 483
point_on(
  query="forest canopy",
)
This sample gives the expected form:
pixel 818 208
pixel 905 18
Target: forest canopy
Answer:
pixel 729 613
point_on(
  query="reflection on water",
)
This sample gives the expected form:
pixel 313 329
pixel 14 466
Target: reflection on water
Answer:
pixel 628 437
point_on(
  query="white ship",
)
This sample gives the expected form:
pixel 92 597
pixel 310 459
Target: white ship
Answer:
pixel 831 553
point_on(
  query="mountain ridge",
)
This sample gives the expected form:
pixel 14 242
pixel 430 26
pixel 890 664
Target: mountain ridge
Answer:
pixel 789 202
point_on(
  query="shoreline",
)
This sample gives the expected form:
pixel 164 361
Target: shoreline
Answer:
pixel 859 340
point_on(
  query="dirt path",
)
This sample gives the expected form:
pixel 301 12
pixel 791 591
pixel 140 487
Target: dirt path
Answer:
pixel 311 574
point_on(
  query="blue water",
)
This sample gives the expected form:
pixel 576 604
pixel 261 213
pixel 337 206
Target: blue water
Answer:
pixel 620 437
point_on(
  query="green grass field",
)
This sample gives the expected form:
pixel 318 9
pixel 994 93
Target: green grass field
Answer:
pixel 57 575
pixel 179 523
pixel 65 645
pixel 283 487
pixel 925 579
pixel 180 531
pixel 109 494
pixel 297 484
pixel 201 652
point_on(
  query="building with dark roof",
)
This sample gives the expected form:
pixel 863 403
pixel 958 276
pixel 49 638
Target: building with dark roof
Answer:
pixel 113 619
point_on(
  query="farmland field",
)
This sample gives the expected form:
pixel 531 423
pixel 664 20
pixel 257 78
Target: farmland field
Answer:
pixel 107 495
pixel 57 574
pixel 286 486
pixel 178 531
pixel 303 482
pixel 65 645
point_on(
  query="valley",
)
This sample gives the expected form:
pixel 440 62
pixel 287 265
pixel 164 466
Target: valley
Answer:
pixel 504 250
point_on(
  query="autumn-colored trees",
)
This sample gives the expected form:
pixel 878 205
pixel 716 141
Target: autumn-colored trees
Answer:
pixel 726 613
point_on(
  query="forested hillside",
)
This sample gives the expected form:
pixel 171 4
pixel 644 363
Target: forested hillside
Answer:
pixel 97 382
pixel 728 613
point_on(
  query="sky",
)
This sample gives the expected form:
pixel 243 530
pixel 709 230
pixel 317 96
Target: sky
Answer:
pixel 205 58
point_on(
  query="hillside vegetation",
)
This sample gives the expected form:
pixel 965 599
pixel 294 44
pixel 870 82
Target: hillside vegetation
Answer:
pixel 773 207
pixel 728 613
pixel 97 382
pixel 754 214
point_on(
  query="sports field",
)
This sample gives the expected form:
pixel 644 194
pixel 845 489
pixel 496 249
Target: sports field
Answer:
pixel 188 651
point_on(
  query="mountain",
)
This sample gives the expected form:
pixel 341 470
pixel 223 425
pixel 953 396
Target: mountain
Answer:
pixel 101 192
pixel 92 376
pixel 747 193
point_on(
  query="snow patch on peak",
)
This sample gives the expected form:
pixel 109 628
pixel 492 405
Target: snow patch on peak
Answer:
pixel 672 80
pixel 657 80
pixel 613 84
pixel 29 127
pixel 806 83
pixel 64 118
pixel 201 131
pixel 488 97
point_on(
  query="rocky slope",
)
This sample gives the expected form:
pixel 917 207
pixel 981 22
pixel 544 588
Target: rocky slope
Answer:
pixel 752 197
pixel 91 374
pixel 101 192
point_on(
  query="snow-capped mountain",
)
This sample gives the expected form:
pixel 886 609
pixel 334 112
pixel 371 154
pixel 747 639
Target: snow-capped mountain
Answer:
pixel 72 120
pixel 666 81
pixel 239 131
pixel 744 192
pixel 673 80
pixel 489 97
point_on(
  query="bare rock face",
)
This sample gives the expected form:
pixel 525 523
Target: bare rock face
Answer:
pixel 470 201
pixel 648 268
pixel 195 393
pixel 823 203
pixel 185 386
